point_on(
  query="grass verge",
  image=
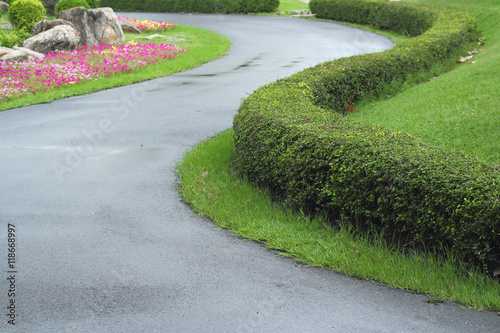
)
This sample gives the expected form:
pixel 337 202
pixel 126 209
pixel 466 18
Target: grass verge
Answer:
pixel 203 46
pixel 210 186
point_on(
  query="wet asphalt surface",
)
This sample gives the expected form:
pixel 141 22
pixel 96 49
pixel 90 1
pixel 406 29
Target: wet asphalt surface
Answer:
pixel 104 242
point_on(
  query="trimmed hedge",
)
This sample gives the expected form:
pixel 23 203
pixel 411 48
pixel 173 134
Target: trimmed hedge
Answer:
pixel 193 6
pixel 291 136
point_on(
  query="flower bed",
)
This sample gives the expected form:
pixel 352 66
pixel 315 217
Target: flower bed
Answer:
pixel 149 25
pixel 82 64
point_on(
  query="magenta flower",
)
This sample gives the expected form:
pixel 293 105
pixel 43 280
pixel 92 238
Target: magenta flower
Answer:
pixel 84 63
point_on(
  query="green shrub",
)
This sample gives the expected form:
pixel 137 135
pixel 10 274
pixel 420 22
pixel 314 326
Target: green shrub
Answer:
pixel 291 137
pixel 194 6
pixel 94 3
pixel 405 19
pixel 24 13
pixel 67 4
pixel 13 38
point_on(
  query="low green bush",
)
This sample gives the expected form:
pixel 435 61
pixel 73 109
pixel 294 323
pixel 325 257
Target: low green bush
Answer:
pixel 94 3
pixel 67 4
pixel 291 136
pixel 13 38
pixel 24 13
pixel 194 6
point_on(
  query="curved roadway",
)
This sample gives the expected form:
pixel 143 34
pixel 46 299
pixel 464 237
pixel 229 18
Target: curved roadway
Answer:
pixel 105 244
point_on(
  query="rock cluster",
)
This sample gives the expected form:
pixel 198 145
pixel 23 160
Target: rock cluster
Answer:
pixel 61 37
pixel 73 27
pixel 45 25
pixel 96 26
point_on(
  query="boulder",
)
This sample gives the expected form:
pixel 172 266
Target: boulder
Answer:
pixel 96 26
pixel 45 25
pixel 18 54
pixel 31 54
pixel 4 6
pixel 10 55
pixel 153 36
pixel 128 26
pixel 61 37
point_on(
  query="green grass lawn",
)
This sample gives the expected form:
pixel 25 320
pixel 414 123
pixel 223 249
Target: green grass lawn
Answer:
pixel 292 5
pixel 457 110
pixel 202 45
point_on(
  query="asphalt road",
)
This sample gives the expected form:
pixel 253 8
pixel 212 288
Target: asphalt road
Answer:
pixel 104 243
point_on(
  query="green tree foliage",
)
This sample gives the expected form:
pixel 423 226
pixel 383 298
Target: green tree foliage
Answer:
pixel 67 4
pixel 24 13
pixel 194 6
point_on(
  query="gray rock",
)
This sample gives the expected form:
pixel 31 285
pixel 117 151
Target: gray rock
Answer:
pixel 153 36
pixel 174 39
pixel 45 25
pixel 4 6
pixel 301 12
pixel 128 26
pixel 96 26
pixel 10 55
pixel 31 54
pixel 61 37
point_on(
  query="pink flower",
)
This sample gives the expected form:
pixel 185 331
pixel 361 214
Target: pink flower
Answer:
pixel 83 63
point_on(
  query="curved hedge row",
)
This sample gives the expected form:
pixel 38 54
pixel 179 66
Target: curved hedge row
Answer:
pixel 193 6
pixel 291 137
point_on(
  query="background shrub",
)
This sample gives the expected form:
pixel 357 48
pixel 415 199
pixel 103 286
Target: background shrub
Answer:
pixel 24 13
pixel 13 38
pixel 94 3
pixel 411 20
pixel 194 6
pixel 67 4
